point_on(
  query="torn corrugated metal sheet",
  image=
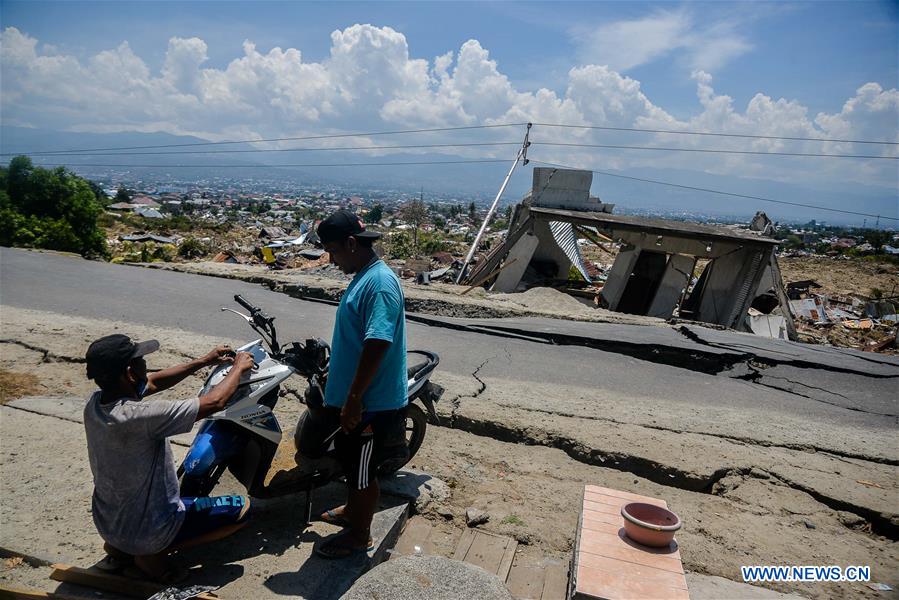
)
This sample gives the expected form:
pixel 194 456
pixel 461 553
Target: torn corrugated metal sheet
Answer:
pixel 563 234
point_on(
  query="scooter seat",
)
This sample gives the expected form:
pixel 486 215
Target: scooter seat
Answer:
pixel 416 366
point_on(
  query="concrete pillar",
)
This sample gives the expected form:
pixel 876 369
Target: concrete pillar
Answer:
pixel 731 286
pixel 619 275
pixel 509 278
pixel 676 277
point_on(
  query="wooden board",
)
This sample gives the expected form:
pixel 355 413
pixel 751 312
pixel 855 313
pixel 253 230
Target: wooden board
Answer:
pixel 417 532
pixel 608 565
pixel 493 553
pixel 14 593
pixel 101 580
pixel 526 581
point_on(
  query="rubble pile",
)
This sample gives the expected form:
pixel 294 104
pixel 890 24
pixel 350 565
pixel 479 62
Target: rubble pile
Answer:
pixel 844 321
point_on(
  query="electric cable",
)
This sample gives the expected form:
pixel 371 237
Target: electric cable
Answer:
pixel 259 150
pixel 714 151
pixel 283 139
pixel 723 193
pixel 257 166
pixel 716 134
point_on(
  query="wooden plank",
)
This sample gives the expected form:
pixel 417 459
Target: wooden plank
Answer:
pixel 595 489
pixel 641 572
pixel 487 552
pixel 597 583
pixel 526 581
pixel 14 593
pixel 630 555
pixel 555 582
pixel 417 532
pixel 464 544
pixel 100 580
pixel 505 565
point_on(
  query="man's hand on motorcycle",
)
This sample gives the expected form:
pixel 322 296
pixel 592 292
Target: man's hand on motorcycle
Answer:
pixel 219 355
pixel 351 414
pixel 243 361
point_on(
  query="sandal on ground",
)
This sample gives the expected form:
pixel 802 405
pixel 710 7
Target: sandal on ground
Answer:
pixel 115 560
pixel 114 564
pixel 340 547
pixel 334 518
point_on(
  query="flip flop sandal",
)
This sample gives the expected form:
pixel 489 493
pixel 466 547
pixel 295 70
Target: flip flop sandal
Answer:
pixel 334 549
pixel 334 518
pixel 114 564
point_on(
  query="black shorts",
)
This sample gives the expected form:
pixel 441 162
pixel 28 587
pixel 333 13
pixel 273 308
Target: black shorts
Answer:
pixel 380 436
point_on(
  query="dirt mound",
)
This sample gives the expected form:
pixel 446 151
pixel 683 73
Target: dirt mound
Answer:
pixel 545 299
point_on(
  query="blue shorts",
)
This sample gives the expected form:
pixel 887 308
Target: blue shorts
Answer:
pixel 205 514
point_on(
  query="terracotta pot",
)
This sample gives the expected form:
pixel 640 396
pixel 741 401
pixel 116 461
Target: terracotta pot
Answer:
pixel 649 525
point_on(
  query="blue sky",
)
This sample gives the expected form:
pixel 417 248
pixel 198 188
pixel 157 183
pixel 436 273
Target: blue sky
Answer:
pixel 815 69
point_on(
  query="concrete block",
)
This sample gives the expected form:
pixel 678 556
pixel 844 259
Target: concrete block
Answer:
pixel 416 486
pixel 426 578
pixel 674 280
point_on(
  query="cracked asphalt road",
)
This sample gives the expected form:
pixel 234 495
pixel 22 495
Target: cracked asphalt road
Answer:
pixel 765 425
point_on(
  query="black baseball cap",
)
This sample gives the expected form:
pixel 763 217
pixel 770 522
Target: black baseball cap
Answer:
pixel 111 354
pixel 341 225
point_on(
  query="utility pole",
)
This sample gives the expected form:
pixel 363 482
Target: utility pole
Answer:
pixel 521 156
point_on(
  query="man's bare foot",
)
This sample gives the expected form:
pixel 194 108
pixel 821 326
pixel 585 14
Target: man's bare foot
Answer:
pixel 336 516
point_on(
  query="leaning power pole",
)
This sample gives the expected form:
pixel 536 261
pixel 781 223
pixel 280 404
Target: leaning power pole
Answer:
pixel 522 157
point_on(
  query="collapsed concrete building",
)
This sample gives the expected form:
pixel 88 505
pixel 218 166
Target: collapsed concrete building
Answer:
pixel 653 272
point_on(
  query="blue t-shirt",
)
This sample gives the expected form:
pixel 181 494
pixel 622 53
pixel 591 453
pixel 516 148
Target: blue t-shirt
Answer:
pixel 371 308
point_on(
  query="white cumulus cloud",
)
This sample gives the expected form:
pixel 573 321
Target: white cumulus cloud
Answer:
pixel 370 81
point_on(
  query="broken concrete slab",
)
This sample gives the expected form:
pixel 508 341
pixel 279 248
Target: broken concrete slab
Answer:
pixel 417 486
pixel 475 517
pixel 427 578
pixel 701 459
pixel 711 587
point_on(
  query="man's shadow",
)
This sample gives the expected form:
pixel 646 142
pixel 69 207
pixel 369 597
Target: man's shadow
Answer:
pixel 277 526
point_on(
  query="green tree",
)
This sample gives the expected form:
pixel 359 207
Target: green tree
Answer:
pixel 123 195
pixel 52 209
pixel 375 214
pixel 415 213
pixel 472 211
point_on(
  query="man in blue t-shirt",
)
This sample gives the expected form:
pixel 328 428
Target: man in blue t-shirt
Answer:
pixel 367 375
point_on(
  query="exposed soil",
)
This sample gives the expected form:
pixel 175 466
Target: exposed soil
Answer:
pixel 16 385
pixel 842 277
pixel 531 487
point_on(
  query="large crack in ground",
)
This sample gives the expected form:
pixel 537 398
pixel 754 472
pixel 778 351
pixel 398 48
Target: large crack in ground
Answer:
pixel 46 355
pixel 654 471
pixel 730 438
pixel 456 402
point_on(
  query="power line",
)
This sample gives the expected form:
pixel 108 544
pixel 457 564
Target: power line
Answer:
pixel 283 139
pixel 714 151
pixel 256 166
pixel 734 135
pixel 461 145
pixel 258 150
pixel 711 191
pixel 442 129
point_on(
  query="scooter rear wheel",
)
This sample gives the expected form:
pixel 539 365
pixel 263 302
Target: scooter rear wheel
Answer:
pixel 416 426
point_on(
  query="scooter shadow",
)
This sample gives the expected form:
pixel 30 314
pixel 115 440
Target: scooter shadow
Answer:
pixel 274 540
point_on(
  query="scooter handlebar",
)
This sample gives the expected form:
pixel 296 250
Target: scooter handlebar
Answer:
pixel 239 299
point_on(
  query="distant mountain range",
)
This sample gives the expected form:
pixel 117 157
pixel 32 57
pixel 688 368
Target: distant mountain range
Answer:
pixel 466 180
